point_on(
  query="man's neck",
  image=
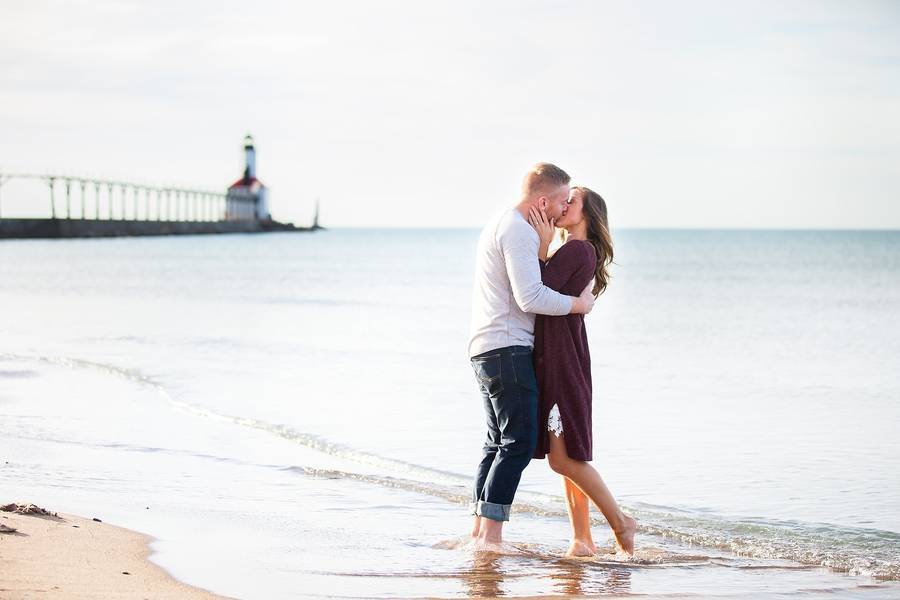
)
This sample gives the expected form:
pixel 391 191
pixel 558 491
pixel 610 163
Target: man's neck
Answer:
pixel 524 206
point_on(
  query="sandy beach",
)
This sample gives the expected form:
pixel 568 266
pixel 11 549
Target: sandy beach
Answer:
pixel 67 556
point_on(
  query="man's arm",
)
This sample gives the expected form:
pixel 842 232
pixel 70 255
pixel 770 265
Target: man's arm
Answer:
pixel 530 294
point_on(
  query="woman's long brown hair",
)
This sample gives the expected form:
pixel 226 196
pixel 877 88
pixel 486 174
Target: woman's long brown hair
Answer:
pixel 598 235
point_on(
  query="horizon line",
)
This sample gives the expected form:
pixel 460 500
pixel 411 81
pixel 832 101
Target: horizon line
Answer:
pixel 624 228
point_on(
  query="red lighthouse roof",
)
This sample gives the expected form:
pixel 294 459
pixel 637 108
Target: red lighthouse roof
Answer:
pixel 245 182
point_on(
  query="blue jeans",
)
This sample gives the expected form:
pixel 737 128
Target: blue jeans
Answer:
pixel 509 389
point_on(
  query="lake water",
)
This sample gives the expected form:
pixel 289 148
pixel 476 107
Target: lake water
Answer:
pixel 294 415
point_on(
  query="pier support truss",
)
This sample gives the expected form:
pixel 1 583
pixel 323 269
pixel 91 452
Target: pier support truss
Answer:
pixel 101 199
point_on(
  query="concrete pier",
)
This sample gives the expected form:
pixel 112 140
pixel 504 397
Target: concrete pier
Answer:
pixel 88 228
pixel 86 207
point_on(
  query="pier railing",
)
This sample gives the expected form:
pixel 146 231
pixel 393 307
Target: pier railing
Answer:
pixel 102 199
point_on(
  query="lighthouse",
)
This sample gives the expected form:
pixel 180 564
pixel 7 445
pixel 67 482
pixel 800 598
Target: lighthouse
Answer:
pixel 247 198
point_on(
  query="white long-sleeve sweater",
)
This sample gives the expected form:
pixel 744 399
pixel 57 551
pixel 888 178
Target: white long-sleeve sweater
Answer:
pixel 508 291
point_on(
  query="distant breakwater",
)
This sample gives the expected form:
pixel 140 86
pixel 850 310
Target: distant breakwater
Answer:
pixel 89 228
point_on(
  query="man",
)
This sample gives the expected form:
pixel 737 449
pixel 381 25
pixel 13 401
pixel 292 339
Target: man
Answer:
pixel 508 293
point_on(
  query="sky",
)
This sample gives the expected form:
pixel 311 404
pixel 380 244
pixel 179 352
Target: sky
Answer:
pixel 427 114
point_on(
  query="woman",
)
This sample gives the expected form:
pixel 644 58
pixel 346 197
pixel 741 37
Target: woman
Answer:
pixel 563 367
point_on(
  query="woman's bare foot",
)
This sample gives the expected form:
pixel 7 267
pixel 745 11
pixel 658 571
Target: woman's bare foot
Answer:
pixel 625 537
pixel 581 548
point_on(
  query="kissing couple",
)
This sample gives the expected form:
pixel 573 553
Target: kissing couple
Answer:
pixel 529 351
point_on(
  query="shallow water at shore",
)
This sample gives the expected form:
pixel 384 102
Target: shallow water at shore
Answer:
pixel 301 407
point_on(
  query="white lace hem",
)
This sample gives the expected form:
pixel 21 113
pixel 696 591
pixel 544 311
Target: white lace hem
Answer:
pixel 554 423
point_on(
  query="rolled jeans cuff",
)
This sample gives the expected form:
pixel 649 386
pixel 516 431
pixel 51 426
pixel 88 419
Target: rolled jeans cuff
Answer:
pixel 494 512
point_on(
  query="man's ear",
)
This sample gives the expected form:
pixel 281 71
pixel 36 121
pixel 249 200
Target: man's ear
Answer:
pixel 543 202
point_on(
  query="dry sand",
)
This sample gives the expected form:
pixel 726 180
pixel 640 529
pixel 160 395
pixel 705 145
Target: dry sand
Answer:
pixel 73 557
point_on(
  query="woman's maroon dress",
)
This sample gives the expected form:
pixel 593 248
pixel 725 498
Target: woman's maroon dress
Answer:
pixel 562 361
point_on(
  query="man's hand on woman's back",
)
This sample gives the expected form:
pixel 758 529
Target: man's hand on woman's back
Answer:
pixel 584 303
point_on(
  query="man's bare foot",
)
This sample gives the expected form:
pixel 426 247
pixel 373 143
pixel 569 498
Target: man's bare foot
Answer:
pixel 490 532
pixel 581 548
pixel 625 537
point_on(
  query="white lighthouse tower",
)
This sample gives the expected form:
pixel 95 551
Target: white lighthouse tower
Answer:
pixel 250 156
pixel 247 198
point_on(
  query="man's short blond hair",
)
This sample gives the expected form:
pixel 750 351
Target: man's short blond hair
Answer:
pixel 544 178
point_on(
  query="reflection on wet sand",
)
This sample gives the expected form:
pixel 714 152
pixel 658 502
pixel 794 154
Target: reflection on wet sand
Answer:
pixel 486 576
pixel 573 577
pixel 489 574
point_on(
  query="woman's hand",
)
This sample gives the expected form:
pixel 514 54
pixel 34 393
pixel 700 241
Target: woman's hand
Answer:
pixel 546 229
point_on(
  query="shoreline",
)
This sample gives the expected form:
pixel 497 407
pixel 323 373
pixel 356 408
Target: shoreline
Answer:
pixel 68 556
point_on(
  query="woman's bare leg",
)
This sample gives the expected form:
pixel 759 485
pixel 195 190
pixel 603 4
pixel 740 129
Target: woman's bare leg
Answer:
pixel 579 516
pixel 589 481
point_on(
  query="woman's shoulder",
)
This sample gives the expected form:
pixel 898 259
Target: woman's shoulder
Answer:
pixel 578 250
pixel 573 254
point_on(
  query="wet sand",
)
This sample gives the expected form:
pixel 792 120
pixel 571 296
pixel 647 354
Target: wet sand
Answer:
pixel 66 556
